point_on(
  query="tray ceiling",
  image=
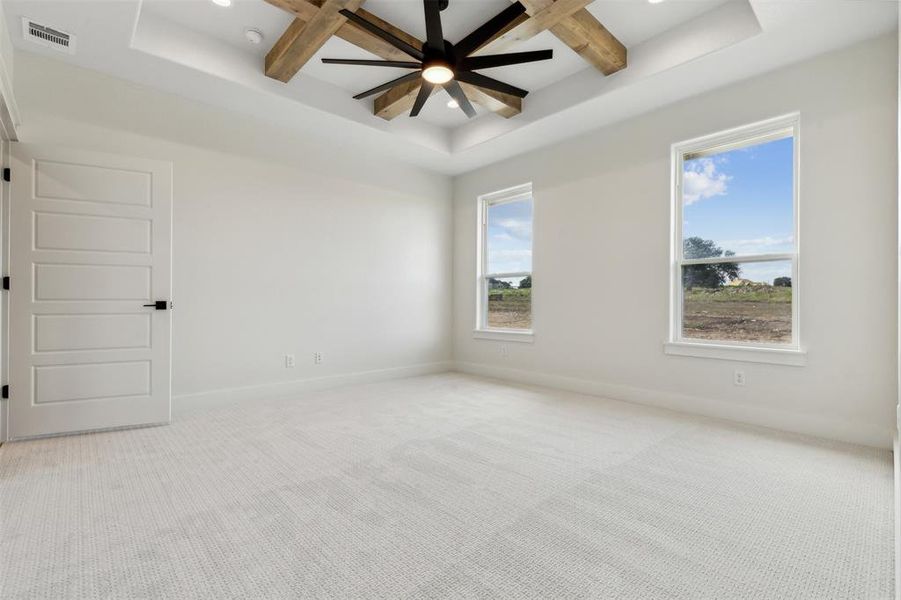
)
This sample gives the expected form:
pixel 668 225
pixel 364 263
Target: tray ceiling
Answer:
pixel 198 49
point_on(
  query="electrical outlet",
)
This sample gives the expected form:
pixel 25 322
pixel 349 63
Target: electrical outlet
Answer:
pixel 739 378
pixel 289 361
pixel 317 358
pixel 504 351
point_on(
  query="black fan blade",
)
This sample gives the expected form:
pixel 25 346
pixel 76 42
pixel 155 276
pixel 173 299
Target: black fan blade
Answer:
pixel 434 35
pixel 388 37
pixel 424 92
pixel 390 84
pixel 488 83
pixel 453 88
pixel 400 64
pixel 501 60
pixel 492 27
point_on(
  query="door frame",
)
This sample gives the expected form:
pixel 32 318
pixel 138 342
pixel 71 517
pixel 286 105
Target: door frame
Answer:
pixel 9 120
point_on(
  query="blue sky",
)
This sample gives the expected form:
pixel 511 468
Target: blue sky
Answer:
pixel 742 199
pixel 510 237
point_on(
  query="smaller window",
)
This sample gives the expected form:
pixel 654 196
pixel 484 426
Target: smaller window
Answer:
pixel 735 242
pixel 505 261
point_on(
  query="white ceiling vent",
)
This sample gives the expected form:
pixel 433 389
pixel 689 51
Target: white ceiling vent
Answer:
pixel 48 36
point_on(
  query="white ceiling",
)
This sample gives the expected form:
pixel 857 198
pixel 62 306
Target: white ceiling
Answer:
pixel 198 49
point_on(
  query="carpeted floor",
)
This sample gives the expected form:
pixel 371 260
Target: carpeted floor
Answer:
pixel 445 486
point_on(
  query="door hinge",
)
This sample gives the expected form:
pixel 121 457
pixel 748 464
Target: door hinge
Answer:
pixel 5 393
pixel 7 174
pixel 6 282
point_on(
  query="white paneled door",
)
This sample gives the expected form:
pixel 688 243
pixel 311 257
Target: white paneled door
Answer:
pixel 90 249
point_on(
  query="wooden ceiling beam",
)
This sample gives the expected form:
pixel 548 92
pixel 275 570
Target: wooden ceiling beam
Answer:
pixel 304 10
pixel 568 20
pixel 505 105
pixel 543 14
pixel 303 39
pixel 588 38
pixel 399 100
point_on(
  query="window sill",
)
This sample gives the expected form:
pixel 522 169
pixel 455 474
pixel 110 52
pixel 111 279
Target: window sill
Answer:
pixel 774 356
pixel 504 335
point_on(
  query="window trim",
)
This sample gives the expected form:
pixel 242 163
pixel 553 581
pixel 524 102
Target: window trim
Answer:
pixel 481 330
pixel 792 353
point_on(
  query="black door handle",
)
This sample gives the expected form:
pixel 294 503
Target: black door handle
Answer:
pixel 159 305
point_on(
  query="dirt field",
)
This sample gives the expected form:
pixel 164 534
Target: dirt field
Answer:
pixel 746 314
pixel 510 309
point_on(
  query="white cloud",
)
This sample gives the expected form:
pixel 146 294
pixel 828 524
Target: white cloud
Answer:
pixel 511 254
pixel 517 228
pixel 760 245
pixel 701 180
pixel 509 260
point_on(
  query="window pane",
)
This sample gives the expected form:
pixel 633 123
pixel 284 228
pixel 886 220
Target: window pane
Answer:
pixel 743 302
pixel 739 201
pixel 509 237
pixel 510 303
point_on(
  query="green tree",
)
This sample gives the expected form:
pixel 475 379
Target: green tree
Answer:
pixel 526 283
pixel 498 284
pixel 782 282
pixel 707 276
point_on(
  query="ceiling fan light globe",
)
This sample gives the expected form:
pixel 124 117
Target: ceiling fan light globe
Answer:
pixel 437 74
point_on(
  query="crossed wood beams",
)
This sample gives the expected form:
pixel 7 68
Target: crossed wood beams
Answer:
pixel 315 21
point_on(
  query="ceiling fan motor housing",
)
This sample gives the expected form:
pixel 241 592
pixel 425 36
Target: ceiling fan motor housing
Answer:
pixel 448 58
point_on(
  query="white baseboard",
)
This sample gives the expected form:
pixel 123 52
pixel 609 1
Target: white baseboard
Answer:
pixel 844 431
pixel 183 402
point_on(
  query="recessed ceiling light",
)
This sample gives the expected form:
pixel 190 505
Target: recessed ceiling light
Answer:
pixel 254 36
pixel 453 103
pixel 650 1
pixel 222 2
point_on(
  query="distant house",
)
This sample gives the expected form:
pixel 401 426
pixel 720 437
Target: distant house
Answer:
pixel 743 282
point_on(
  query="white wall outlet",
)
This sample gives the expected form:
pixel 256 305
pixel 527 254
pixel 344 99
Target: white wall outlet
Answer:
pixel 505 352
pixel 289 361
pixel 317 358
pixel 739 378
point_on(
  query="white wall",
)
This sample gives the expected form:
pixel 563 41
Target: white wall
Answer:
pixel 9 114
pixel 282 244
pixel 601 255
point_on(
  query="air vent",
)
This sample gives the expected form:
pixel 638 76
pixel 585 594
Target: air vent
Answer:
pixel 48 36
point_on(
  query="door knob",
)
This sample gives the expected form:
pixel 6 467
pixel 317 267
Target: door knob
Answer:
pixel 159 305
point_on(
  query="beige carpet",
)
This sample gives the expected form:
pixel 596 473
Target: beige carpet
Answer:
pixel 445 486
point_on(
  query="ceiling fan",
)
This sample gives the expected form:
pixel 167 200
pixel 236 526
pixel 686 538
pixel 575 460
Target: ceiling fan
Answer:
pixel 439 62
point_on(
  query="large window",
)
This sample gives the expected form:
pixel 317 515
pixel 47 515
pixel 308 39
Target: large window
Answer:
pixel 505 261
pixel 735 242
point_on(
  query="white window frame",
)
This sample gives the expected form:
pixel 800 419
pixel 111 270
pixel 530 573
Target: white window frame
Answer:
pixel 482 331
pixel 792 353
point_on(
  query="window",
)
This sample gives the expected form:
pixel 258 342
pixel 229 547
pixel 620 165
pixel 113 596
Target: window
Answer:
pixel 505 264
pixel 735 242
